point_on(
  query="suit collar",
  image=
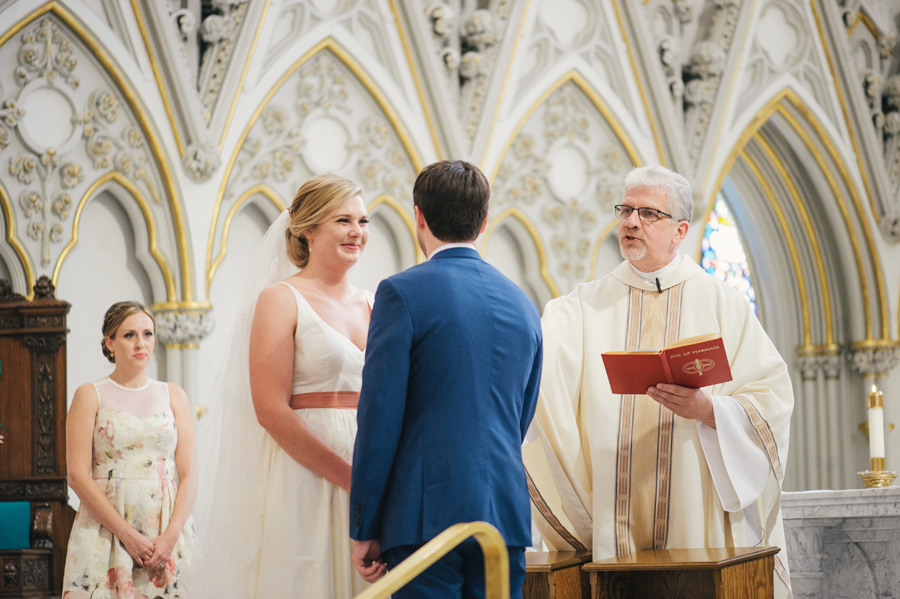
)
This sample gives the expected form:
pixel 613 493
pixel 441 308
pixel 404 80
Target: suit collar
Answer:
pixel 456 252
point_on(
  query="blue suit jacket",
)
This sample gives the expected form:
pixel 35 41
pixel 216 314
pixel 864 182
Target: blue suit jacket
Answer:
pixel 449 388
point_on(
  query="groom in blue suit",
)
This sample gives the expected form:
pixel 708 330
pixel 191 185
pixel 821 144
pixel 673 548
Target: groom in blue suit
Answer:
pixel 450 384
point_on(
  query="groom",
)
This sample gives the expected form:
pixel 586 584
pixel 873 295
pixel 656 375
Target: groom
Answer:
pixel 450 383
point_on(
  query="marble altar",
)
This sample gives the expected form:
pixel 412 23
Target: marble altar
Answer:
pixel 843 544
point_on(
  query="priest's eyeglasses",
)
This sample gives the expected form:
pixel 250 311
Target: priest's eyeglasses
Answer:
pixel 648 215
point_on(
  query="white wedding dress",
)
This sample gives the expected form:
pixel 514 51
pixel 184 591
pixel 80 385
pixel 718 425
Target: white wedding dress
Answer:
pixel 268 528
pixel 305 549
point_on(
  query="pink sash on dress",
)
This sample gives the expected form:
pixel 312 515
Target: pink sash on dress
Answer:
pixel 325 399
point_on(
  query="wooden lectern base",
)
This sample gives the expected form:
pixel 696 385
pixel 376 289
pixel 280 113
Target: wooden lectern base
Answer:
pixel 728 573
pixel 556 575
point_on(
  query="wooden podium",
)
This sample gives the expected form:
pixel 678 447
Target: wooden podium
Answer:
pixel 728 573
pixel 556 575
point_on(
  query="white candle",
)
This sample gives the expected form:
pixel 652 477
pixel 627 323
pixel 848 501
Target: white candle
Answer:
pixel 875 402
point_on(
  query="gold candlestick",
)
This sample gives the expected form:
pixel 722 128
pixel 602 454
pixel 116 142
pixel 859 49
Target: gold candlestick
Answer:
pixel 876 477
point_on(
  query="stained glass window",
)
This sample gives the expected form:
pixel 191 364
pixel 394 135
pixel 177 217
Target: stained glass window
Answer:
pixel 723 253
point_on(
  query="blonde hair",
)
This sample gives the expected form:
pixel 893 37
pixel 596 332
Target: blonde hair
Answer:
pixel 315 201
pixel 114 318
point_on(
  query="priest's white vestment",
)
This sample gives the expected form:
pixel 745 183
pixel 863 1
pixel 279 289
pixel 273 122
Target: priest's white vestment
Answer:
pixel 620 473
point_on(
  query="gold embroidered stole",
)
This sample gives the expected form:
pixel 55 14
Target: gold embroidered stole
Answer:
pixel 644 445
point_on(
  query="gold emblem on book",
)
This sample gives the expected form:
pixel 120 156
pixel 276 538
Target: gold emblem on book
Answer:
pixel 698 366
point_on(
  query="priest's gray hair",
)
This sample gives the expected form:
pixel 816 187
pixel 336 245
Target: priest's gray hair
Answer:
pixel 679 198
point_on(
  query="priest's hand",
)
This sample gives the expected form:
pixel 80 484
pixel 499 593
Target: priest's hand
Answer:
pixel 693 404
pixel 366 556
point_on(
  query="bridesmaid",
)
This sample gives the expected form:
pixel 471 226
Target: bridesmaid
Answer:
pixel 129 445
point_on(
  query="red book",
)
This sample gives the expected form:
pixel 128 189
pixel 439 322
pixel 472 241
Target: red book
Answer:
pixel 691 362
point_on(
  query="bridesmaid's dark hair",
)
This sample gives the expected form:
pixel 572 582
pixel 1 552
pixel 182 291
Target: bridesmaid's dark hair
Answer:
pixel 114 318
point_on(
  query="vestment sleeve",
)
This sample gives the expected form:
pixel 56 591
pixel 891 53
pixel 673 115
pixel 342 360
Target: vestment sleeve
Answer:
pixel 741 480
pixel 748 449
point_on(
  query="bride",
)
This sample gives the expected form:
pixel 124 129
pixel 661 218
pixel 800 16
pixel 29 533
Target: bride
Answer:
pixel 273 514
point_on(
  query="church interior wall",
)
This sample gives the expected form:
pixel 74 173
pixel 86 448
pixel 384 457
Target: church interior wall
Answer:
pixel 556 101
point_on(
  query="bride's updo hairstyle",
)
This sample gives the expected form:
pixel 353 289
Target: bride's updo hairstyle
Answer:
pixel 114 318
pixel 315 201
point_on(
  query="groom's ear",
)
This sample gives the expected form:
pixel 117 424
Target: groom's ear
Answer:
pixel 420 219
pixel 484 224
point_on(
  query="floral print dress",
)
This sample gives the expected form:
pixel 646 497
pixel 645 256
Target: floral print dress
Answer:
pixel 134 463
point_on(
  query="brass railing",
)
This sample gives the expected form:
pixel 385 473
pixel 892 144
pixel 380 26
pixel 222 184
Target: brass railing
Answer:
pixel 496 561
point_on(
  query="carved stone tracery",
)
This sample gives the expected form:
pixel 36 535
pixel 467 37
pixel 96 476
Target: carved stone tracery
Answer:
pixel 51 166
pixel 323 99
pixel 566 126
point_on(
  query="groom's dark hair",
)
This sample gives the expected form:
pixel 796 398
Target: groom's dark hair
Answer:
pixel 453 197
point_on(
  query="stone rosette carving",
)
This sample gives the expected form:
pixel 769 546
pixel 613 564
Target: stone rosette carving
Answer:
pixel 200 162
pixel 831 365
pixel 809 367
pixel 183 326
pixel 875 361
pixel 684 10
pixel 46 52
pixel 481 30
pixel 442 18
pixel 10 114
pixel 703 71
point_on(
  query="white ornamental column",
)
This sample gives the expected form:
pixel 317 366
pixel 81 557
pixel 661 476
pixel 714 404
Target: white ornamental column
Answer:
pixel 180 327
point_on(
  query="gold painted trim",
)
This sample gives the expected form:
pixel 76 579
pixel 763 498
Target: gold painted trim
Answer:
pixel 135 193
pixel 139 113
pixel 335 48
pixel 506 78
pixel 535 237
pixel 637 80
pixel 262 190
pixel 240 86
pixel 863 18
pixel 594 97
pixel 414 73
pixel 831 349
pixel 864 223
pixel 612 226
pixel 25 262
pixel 167 104
pixel 789 237
pixel 410 224
pixel 843 103
pixel 496 561
pixel 182 306
pixel 875 344
pixel 775 162
pixel 181 346
pixel 775 105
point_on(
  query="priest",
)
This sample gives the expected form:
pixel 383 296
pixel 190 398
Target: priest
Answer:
pixel 678 467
